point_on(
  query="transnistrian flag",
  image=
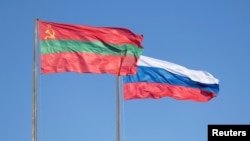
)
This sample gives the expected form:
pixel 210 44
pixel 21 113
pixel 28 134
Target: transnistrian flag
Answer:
pixel 88 49
pixel 157 78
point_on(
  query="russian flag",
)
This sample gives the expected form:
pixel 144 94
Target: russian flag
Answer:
pixel 157 78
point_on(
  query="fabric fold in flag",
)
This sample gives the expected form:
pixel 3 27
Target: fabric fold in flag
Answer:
pixel 88 49
pixel 157 78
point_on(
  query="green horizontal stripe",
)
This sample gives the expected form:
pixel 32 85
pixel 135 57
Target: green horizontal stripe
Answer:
pixel 57 46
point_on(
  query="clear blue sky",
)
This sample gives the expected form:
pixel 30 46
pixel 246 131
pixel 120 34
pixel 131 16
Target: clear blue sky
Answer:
pixel 205 35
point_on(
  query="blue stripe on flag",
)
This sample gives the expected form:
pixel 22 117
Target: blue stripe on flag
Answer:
pixel 159 75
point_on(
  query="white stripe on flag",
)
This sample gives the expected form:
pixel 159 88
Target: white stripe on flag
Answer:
pixel 195 75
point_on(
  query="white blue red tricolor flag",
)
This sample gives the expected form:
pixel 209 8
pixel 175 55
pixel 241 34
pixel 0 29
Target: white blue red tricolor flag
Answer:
pixel 157 78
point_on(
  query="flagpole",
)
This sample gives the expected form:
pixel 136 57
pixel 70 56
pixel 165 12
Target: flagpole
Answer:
pixel 118 128
pixel 34 96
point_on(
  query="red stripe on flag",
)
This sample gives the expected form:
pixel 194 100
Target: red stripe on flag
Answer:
pixel 88 63
pixel 109 35
pixel 142 90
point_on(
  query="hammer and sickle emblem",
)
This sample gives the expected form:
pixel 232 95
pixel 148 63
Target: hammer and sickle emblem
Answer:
pixel 50 34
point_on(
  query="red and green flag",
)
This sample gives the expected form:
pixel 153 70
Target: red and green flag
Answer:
pixel 88 49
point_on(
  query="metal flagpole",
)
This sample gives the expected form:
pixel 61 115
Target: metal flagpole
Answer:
pixel 118 130
pixel 34 97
